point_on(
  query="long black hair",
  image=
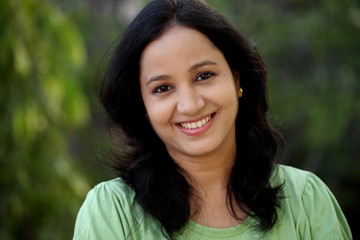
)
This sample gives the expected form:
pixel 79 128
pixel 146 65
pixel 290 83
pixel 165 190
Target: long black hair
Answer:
pixel 143 162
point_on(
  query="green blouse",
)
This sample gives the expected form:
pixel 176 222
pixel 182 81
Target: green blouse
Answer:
pixel 308 211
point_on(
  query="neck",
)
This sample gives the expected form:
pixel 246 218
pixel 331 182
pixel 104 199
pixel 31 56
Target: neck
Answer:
pixel 209 177
pixel 210 172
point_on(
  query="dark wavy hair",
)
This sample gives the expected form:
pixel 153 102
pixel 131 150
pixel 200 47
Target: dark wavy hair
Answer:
pixel 143 162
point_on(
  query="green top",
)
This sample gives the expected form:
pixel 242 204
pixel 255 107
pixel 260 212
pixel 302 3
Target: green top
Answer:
pixel 308 211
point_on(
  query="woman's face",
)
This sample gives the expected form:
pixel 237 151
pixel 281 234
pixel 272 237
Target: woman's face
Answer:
pixel 190 94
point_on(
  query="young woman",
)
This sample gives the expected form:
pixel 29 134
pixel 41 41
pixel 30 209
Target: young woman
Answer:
pixel 186 95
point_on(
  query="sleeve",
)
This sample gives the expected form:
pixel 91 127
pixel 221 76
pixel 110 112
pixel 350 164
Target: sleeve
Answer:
pixel 324 215
pixel 101 216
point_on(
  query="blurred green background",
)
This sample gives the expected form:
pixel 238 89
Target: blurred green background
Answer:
pixel 53 148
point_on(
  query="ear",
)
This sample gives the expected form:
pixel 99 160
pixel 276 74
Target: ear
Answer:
pixel 240 92
pixel 236 76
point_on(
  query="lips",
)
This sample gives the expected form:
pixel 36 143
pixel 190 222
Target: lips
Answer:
pixel 198 126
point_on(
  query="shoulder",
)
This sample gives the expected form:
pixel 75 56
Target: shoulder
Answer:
pixel 302 187
pixel 110 195
pixel 115 190
pixel 108 207
pixel 309 205
pixel 299 182
pixel 292 175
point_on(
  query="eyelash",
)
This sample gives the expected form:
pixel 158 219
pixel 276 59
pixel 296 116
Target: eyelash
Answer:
pixel 165 88
pixel 161 89
pixel 204 75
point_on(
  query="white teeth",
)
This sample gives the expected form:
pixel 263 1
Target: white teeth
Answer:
pixel 197 124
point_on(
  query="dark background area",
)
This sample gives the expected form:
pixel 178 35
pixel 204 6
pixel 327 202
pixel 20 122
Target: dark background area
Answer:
pixel 53 148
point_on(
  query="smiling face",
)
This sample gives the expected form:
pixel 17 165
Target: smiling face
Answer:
pixel 190 94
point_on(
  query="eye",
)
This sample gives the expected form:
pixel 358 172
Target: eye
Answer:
pixel 162 89
pixel 204 76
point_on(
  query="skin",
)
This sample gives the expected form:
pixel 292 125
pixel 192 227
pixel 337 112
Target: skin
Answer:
pixel 184 80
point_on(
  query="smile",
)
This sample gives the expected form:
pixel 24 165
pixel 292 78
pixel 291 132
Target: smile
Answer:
pixel 196 124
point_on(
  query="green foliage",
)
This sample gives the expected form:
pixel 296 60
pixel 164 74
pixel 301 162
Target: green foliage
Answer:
pixel 41 101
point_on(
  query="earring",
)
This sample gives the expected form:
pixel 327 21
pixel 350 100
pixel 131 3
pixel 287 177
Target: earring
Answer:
pixel 240 92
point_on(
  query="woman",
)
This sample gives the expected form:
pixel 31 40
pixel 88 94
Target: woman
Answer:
pixel 186 95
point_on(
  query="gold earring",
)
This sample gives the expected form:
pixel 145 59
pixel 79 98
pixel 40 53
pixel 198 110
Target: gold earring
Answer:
pixel 240 92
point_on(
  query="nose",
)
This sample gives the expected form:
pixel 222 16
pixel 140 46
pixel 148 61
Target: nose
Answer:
pixel 189 101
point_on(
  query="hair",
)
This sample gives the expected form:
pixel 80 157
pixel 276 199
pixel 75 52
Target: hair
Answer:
pixel 144 163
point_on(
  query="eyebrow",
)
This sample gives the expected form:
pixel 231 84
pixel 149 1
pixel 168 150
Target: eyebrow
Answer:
pixel 192 68
pixel 201 64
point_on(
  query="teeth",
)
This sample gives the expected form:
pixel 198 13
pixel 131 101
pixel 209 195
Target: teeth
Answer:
pixel 197 124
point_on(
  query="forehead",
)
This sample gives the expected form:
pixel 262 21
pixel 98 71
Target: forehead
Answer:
pixel 177 43
pixel 182 33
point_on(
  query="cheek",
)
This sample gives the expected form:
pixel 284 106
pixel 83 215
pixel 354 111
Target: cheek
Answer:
pixel 160 118
pixel 159 113
pixel 225 94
